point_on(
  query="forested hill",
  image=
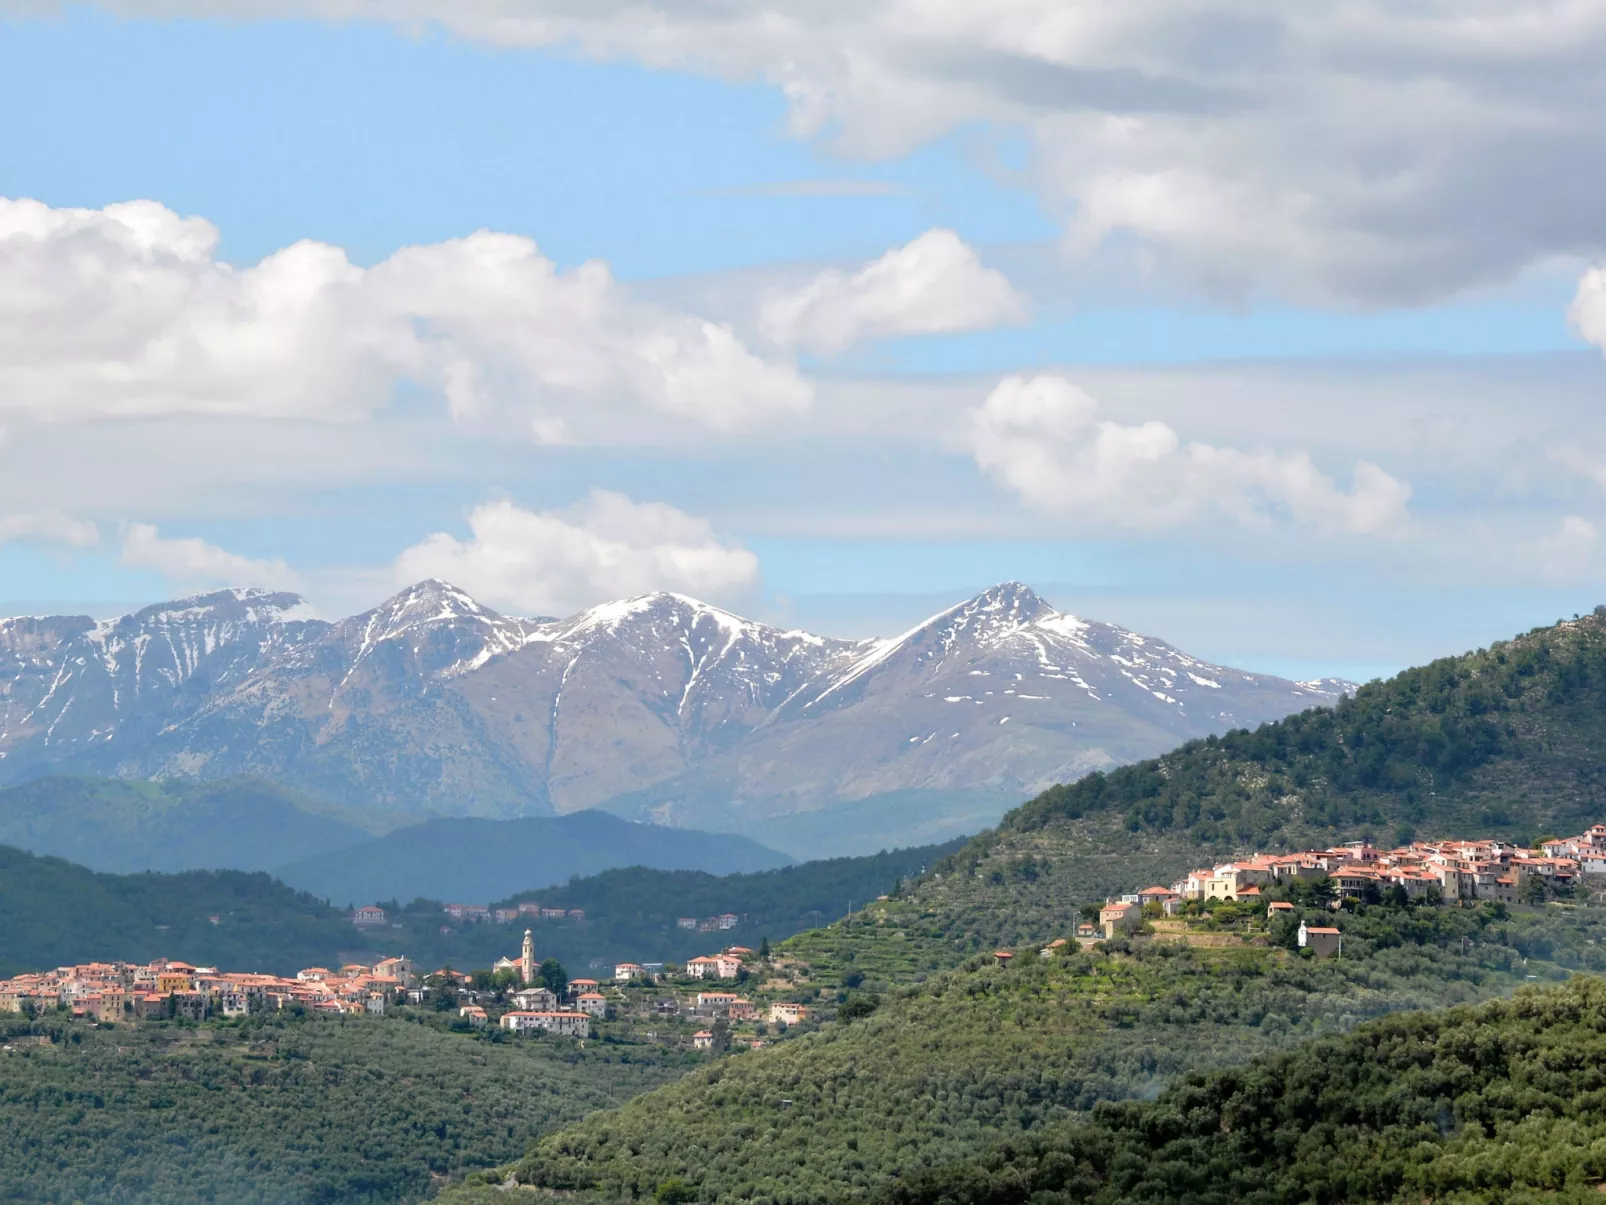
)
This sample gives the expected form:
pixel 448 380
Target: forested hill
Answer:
pixel 1506 741
pixel 53 912
pixel 1495 1103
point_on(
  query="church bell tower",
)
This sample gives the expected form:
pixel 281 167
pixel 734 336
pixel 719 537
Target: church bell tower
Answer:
pixel 527 959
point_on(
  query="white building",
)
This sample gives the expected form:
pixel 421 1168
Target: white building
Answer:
pixel 572 1025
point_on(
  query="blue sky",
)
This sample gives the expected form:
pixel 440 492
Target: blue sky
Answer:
pixel 1464 382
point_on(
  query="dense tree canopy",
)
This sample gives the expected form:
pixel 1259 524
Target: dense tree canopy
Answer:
pixel 1501 1102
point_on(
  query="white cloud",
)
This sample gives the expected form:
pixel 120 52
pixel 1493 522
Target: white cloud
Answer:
pixel 933 285
pixel 1040 437
pixel 1356 150
pixel 127 311
pixel 192 561
pixel 51 527
pixel 555 562
pixel 1568 551
pixel 1588 310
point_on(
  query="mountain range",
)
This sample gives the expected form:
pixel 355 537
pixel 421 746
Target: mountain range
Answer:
pixel 657 708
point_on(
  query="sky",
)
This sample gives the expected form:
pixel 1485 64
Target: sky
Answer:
pixel 1274 333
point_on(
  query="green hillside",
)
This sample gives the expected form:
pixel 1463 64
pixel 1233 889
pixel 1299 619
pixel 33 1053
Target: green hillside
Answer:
pixel 1497 1103
pixel 1504 741
pixel 53 912
pixel 281 1111
pixel 942 1069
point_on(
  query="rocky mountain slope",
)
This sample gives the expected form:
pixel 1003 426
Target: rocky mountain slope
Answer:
pixel 658 707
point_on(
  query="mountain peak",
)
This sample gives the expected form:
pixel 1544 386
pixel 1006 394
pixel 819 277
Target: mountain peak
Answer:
pixel 1013 599
pixel 434 595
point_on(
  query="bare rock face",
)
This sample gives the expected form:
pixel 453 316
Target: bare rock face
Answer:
pixel 658 707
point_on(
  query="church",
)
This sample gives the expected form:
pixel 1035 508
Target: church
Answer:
pixel 525 964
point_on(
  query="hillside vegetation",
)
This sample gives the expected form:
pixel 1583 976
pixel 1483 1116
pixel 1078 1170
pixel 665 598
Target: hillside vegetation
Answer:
pixel 53 913
pixel 941 1069
pixel 1504 741
pixel 282 1111
pixel 1502 1102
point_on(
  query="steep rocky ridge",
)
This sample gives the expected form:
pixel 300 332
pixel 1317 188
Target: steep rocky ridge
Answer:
pixel 659 707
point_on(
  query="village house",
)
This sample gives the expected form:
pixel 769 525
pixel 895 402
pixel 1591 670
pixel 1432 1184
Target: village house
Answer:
pixel 474 1015
pixel 593 1004
pixel 1322 942
pixel 565 1024
pixel 741 1009
pixel 624 972
pixel 783 1013
pixel 369 914
pixel 686 922
pixel 703 1040
pixel 537 999
pixel 716 966
pixel 715 1001
pixel 1119 919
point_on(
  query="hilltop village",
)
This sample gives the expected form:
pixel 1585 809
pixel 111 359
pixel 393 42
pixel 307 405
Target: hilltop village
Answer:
pixel 681 1004
pixel 1436 873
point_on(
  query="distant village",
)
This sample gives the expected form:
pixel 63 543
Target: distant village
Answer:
pixel 1428 872
pixel 373 916
pixel 512 995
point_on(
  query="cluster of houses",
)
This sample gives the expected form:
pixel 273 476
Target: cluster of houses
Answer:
pixel 165 989
pixel 711 924
pixel 373 916
pixel 1428 871
pixel 122 991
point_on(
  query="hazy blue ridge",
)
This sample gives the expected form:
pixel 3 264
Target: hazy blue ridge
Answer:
pixel 474 861
pixel 125 826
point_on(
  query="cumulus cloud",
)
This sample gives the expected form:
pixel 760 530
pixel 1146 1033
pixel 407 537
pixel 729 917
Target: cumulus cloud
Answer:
pixel 128 311
pixel 192 561
pixel 555 562
pixel 933 285
pixel 1568 551
pixel 1356 151
pixel 1588 310
pixel 1041 437
pixel 49 527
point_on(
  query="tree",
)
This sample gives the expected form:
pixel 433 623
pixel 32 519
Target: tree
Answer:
pixel 553 976
pixel 858 1005
pixel 675 1191
pixel 764 947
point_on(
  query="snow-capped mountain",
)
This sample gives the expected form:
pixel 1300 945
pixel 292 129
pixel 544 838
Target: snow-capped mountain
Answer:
pixel 660 706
